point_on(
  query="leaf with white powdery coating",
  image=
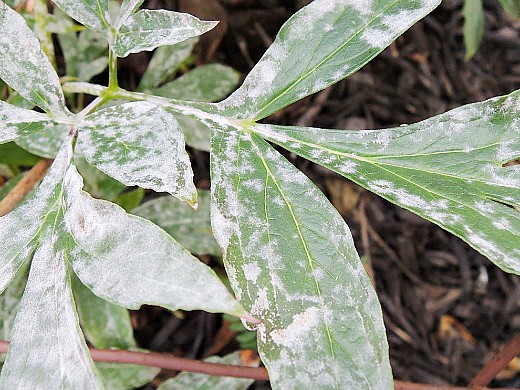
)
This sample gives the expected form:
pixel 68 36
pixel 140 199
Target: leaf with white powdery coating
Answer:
pixel 47 349
pixel 105 325
pixel 192 229
pixel 165 62
pixel 91 13
pixel 206 83
pixel 9 302
pixel 195 381
pixel 139 144
pixel 27 220
pixel 291 261
pixel 108 326
pixel 447 169
pixel 321 44
pixel 147 29
pixel 28 71
pixel 125 376
pixel 130 261
pixel 17 122
pixel 127 8
pixel 44 143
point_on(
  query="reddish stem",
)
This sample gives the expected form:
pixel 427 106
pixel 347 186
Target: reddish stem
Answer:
pixel 24 186
pixel 162 360
pixel 497 363
pixel 171 362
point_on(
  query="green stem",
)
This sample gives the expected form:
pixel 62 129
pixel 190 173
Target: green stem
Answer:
pixel 205 112
pixel 91 107
pixel 112 71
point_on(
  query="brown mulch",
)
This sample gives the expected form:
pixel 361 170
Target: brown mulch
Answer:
pixel 446 307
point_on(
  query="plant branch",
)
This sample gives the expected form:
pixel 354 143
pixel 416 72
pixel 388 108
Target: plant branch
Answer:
pixel 24 186
pixel 497 363
pixel 205 112
pixel 166 361
pixel 170 362
pixel 112 70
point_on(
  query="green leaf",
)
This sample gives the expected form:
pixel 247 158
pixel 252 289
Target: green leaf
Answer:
pixel 91 13
pixel 321 44
pixel 130 200
pixel 60 23
pixel 13 3
pixel 124 254
pixel 105 325
pixel 147 29
pixel 206 83
pixel 9 302
pixel 473 12
pixel 127 8
pixel 165 63
pixel 7 187
pixel 194 381
pixel 31 73
pixel 292 263
pixel 47 349
pixel 108 326
pixel 26 220
pixel 139 262
pixel 447 169
pixel 17 122
pixel 44 143
pixel 512 7
pixel 192 229
pixel 98 184
pixel 139 144
pixel 84 53
pixel 125 376
pixel 14 155
pixel 196 133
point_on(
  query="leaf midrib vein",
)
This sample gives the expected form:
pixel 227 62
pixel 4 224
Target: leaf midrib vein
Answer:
pixel 258 115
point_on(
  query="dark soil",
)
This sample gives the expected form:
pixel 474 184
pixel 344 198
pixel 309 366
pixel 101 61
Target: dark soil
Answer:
pixel 447 308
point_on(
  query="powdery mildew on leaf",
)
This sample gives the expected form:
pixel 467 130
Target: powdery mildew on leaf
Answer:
pixel 17 122
pixel 192 229
pixel 9 302
pixel 292 262
pixel 130 261
pixel 447 169
pixel 105 325
pixel 165 62
pixel 117 376
pixel 139 144
pixel 47 350
pixel 206 83
pixel 148 29
pixel 196 133
pixel 195 381
pixel 24 65
pixel 44 143
pixel 299 62
pixel 108 326
pixel 127 8
pixel 91 13
pixel 27 220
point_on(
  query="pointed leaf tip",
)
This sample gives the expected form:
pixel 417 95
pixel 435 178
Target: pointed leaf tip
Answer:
pixel 31 73
pixel 148 29
pixel 139 144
